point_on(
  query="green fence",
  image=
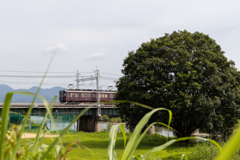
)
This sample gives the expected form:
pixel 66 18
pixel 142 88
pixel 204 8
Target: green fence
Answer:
pixel 62 120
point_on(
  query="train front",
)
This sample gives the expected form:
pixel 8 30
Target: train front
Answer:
pixel 62 96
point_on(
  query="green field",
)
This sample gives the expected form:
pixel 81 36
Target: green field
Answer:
pixel 95 146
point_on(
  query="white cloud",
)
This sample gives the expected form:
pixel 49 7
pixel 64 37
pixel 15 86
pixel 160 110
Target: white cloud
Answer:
pixel 59 48
pixel 96 55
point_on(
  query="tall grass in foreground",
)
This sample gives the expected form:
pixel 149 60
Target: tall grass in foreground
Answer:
pixel 230 147
pixel 10 138
pixel 136 137
pixel 10 147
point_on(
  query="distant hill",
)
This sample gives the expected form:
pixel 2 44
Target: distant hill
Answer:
pixel 46 93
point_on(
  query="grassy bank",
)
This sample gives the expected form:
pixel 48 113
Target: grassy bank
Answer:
pixel 94 146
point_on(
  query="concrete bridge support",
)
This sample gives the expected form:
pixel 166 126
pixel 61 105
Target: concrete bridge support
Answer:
pixel 89 123
pixel 151 130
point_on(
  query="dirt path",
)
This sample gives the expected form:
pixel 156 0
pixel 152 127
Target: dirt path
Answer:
pixel 33 135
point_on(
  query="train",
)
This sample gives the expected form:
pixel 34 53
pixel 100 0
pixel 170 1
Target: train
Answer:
pixel 85 95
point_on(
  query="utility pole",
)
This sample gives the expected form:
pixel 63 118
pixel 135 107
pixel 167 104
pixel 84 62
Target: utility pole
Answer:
pixel 98 92
pixel 77 80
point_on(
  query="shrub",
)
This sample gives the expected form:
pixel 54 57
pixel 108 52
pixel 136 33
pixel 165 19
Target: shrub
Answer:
pixel 204 150
pixel 117 119
pixel 105 118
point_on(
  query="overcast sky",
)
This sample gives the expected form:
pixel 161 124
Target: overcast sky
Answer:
pixel 88 33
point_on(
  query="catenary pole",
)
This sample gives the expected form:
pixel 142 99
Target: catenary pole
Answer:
pixel 98 92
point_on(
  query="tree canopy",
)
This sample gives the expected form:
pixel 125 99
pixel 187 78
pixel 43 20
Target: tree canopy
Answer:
pixel 186 73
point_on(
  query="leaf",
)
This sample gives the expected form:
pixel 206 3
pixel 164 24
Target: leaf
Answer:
pixel 184 156
pixel 69 135
pixel 231 146
pixel 135 137
pixel 58 149
pixel 65 129
pixel 159 148
pixel 121 126
pixel 112 140
pixel 26 117
pixel 37 140
pixel 4 122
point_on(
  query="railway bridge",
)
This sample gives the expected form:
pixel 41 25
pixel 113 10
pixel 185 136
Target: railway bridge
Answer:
pixel 89 122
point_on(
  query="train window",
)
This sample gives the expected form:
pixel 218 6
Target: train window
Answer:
pixel 68 94
pixel 106 96
pixel 86 95
pixel 76 94
pixel 111 95
pixel 93 95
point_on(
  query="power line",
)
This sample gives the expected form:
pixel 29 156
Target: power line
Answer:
pixel 28 76
pixel 109 78
pixel 38 71
pixel 45 83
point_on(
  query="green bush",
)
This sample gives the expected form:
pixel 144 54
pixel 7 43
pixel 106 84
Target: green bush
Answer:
pixel 117 119
pixel 207 151
pixel 204 150
pixel 105 118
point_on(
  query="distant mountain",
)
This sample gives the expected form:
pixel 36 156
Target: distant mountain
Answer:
pixel 46 93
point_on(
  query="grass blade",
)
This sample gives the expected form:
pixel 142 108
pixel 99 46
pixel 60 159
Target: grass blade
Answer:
pixel 123 101
pixel 134 139
pixel 184 156
pixel 159 148
pixel 121 126
pixel 4 122
pixel 65 129
pixel 163 124
pixel 26 118
pixel 231 146
pixel 36 141
pixel 30 108
pixel 143 134
pixel 112 140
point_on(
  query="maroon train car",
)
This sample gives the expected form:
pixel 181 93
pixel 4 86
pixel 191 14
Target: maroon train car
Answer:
pixel 85 95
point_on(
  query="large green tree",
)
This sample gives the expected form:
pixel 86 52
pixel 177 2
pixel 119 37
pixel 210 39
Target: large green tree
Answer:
pixel 186 73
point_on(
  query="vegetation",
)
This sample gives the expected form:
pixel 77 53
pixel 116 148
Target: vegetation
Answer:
pixel 105 118
pixel 117 119
pixel 10 138
pixel 92 146
pixel 186 73
pixel 46 148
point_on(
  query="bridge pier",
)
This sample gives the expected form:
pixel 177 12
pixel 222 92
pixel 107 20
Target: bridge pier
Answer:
pixel 151 130
pixel 89 123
